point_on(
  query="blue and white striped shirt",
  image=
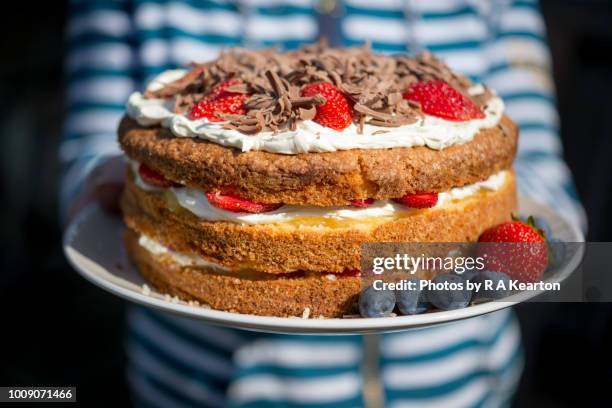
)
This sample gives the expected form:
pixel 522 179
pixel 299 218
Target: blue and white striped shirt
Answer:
pixel 115 46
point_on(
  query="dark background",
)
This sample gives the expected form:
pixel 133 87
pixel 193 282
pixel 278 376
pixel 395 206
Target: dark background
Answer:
pixel 58 329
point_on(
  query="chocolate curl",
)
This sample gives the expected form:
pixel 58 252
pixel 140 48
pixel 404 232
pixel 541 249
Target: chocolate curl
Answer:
pixel 373 82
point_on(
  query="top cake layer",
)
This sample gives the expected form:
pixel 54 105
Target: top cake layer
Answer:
pixel 319 126
pixel 321 179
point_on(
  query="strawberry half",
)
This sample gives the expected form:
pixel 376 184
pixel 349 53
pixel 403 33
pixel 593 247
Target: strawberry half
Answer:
pixel 337 111
pixel 150 176
pixel 362 203
pixel 522 252
pixel 221 91
pixel 235 203
pixel 419 200
pixel 220 100
pixel 438 98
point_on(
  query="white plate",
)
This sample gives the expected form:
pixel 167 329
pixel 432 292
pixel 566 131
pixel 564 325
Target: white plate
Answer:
pixel 93 243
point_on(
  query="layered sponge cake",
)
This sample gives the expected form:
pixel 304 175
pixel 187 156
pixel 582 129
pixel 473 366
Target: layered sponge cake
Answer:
pixel 254 179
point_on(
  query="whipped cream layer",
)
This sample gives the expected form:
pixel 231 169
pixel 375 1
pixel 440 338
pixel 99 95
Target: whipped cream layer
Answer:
pixel 157 248
pixel 309 136
pixel 195 201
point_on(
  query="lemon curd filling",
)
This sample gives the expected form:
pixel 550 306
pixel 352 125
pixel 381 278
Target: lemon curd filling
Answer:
pixel 195 201
pixel 243 271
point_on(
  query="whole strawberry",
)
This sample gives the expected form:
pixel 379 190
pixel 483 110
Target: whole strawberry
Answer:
pixel 516 248
pixel 220 100
pixel 337 111
pixel 438 98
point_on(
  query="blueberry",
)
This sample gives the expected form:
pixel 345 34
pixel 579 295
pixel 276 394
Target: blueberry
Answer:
pixel 495 291
pixel 467 275
pixel 412 301
pixel 557 252
pixel 449 299
pixel 376 303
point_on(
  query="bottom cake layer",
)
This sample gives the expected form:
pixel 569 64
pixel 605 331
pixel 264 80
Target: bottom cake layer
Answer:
pixel 284 295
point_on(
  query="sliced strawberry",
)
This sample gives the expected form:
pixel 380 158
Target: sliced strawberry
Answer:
pixel 235 203
pixel 220 90
pixel 438 98
pixel 419 200
pixel 337 111
pixel 209 109
pixel 516 248
pixel 150 176
pixel 348 273
pixel 362 203
pixel 220 100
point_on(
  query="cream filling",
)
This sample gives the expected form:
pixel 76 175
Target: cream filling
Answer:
pixel 195 201
pixel 159 249
pixel 309 136
pixel 156 248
